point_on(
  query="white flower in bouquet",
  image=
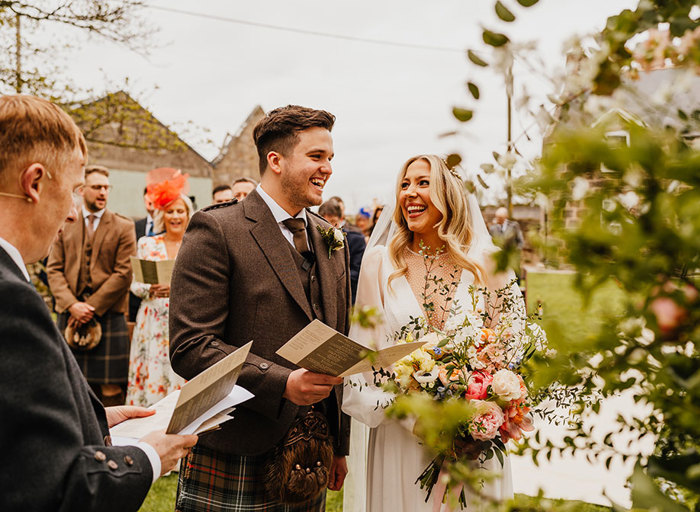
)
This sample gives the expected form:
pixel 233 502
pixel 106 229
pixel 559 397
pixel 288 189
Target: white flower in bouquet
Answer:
pixel 454 322
pixel 475 319
pixel 506 385
pixel 427 377
pixel 431 340
pixel 423 360
pixel 404 373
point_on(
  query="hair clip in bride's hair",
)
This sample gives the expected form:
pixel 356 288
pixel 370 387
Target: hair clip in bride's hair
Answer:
pixel 454 173
pixel 452 170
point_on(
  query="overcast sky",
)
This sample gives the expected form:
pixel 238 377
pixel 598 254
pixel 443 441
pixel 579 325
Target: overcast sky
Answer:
pixel 391 102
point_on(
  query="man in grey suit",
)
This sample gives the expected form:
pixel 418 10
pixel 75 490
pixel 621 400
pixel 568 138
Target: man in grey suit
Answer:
pixel 55 448
pixel 507 234
pixel 260 270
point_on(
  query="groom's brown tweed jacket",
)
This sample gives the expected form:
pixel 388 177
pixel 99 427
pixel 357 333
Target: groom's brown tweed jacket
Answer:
pixel 235 280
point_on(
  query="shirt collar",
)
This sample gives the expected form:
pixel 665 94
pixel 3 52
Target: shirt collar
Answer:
pixel 277 211
pixel 87 212
pixel 13 253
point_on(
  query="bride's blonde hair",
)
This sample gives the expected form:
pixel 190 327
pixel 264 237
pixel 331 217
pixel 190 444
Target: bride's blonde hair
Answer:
pixel 449 196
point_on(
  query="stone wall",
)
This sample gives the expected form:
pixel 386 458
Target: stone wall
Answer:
pixel 238 158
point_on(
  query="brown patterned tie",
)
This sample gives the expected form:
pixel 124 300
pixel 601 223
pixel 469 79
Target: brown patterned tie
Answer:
pixel 298 229
pixel 91 225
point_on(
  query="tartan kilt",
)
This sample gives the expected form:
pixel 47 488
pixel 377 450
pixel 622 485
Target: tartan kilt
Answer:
pixel 108 362
pixel 211 481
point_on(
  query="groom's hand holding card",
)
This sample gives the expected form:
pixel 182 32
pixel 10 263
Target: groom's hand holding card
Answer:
pixel 322 349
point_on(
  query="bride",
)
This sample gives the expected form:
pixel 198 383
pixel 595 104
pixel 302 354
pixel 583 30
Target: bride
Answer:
pixel 434 215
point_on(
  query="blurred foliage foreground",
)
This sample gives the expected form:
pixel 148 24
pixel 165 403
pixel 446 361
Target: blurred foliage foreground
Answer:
pixel 628 164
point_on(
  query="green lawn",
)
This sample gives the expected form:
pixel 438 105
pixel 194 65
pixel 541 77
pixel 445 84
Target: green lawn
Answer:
pixel 564 314
pixel 162 499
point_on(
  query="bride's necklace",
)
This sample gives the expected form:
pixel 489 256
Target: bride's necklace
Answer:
pixel 434 293
pixel 433 256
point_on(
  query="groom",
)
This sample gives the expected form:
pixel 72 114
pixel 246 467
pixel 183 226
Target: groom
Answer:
pixel 260 270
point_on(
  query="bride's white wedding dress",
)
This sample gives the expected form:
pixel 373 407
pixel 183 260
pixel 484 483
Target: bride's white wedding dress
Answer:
pixel 394 458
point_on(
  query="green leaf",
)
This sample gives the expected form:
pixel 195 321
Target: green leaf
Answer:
pixel 646 494
pixel 462 114
pixel 453 160
pixel 527 3
pixel 503 12
pixel 473 89
pixel 475 59
pixel 481 181
pixel 494 38
pixel 499 454
pixel 677 468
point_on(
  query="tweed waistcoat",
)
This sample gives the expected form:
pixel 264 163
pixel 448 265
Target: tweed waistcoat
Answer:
pixel 309 280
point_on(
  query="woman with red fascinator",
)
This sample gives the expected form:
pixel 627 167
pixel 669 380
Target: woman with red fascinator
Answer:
pixel 150 375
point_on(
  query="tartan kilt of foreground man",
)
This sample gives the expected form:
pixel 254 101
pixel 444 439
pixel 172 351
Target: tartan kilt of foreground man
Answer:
pixel 208 477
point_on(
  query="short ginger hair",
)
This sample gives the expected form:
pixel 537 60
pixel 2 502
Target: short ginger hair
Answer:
pixel 35 130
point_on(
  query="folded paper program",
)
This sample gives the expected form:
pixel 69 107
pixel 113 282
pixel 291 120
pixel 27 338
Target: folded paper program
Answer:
pixel 203 403
pixel 138 427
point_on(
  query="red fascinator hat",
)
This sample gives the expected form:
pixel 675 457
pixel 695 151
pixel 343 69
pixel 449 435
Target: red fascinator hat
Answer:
pixel 168 188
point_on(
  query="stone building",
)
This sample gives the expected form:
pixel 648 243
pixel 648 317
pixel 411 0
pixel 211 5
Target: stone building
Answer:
pixel 128 140
pixel 238 157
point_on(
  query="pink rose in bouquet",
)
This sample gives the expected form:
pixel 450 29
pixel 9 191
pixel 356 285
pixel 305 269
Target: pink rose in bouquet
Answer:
pixel 485 426
pixel 478 385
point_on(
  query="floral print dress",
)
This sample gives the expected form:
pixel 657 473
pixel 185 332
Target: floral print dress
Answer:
pixel 150 375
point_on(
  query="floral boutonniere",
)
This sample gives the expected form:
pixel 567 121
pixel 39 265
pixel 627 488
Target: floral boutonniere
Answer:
pixel 334 238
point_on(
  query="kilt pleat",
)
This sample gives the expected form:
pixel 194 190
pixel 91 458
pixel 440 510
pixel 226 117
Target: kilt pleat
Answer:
pixel 210 481
pixel 108 362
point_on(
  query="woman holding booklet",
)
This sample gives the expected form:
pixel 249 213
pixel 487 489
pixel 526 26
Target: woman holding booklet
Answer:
pixel 434 236
pixel 150 375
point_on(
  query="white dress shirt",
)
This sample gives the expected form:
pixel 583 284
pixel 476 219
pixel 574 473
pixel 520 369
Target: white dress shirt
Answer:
pixel 281 215
pixel 98 217
pixel 12 251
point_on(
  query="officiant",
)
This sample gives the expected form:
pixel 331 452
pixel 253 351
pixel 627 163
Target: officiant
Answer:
pixel 54 434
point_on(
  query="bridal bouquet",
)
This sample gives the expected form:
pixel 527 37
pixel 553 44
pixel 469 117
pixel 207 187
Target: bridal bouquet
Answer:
pixel 475 363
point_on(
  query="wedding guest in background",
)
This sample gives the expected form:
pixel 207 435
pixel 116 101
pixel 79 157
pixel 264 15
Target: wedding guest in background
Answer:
pixel 89 274
pixel 222 194
pixel 362 221
pixel 242 187
pixel 375 217
pixel 507 234
pixel 260 270
pixel 143 227
pixel 53 428
pixel 150 375
pixel 343 220
pixel 333 213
